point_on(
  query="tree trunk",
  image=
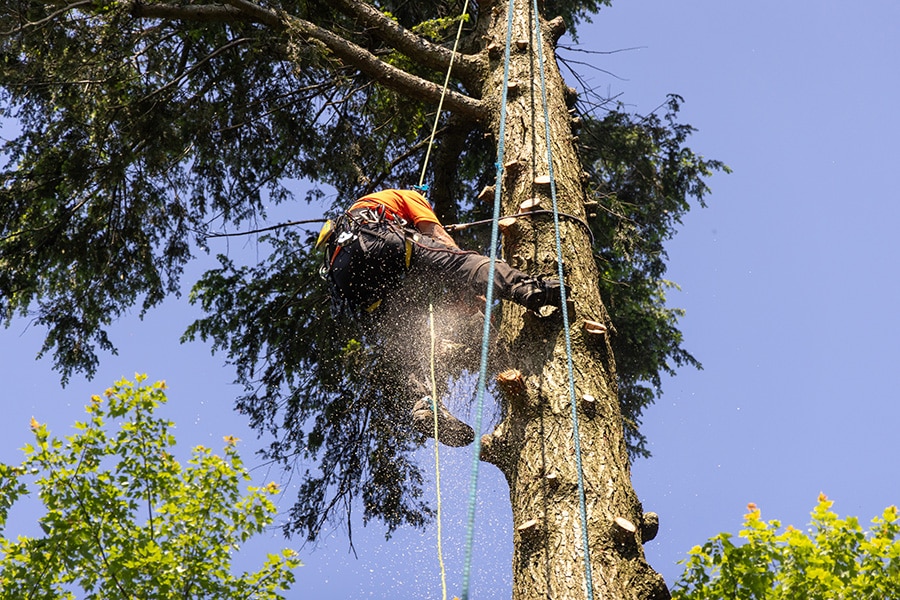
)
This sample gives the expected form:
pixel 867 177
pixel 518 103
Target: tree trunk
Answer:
pixel 534 445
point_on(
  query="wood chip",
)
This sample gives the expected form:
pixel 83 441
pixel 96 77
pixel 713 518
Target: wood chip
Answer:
pixel 528 525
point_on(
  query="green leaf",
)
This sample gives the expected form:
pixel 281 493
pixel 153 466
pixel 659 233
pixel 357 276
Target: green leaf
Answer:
pixel 96 511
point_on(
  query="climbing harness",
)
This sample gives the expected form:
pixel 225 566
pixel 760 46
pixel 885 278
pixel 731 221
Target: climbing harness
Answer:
pixel 356 282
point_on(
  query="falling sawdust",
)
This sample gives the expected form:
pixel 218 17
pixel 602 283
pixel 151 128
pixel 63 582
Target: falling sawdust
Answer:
pixel 458 328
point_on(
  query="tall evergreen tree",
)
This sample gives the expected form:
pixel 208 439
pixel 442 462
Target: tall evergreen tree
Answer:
pixel 146 125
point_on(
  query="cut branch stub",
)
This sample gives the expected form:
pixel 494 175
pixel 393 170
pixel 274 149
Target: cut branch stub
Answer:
pixel 623 531
pixel 514 166
pixel 552 479
pixel 521 45
pixel 594 328
pixel 649 526
pixel 512 384
pixel 506 224
pixel 489 452
pixel 589 405
pixel 557 27
pixel 542 180
pixel 529 532
pixel 530 204
pixel 530 526
pixel 625 525
pixel 487 193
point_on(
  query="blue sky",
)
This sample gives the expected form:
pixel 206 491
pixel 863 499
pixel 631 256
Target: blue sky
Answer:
pixel 788 279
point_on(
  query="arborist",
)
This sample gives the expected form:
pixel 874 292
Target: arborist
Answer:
pixel 394 235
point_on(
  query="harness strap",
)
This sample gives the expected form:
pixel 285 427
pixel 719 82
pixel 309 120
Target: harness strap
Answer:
pixel 334 255
pixel 375 214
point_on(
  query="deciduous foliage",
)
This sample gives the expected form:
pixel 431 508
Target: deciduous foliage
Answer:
pixel 835 559
pixel 124 519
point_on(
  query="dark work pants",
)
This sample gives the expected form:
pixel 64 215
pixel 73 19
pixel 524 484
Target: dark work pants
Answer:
pixel 434 263
pixel 373 265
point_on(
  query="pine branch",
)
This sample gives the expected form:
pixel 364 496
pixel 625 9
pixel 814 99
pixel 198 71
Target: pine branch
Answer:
pixel 196 12
pixel 466 67
pixel 367 63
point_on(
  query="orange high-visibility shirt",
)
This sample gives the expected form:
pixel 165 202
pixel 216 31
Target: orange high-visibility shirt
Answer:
pixel 406 204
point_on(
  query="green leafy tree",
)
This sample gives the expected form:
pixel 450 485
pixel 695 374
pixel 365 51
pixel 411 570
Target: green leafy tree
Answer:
pixel 148 125
pixel 123 519
pixel 834 560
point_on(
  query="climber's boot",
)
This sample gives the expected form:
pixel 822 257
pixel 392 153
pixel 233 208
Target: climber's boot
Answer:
pixel 451 431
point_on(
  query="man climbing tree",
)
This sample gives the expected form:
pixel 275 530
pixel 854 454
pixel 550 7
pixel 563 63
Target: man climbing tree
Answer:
pixel 387 257
pixel 146 125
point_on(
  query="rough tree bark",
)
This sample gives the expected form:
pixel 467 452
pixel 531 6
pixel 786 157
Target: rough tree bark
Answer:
pixel 534 445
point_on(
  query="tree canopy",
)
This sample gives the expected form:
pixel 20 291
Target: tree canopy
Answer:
pixel 834 560
pixel 124 519
pixel 145 126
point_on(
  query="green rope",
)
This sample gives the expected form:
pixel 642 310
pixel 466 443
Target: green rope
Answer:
pixel 434 404
pixel 437 116
pixel 565 313
pixel 489 295
pixel 437 456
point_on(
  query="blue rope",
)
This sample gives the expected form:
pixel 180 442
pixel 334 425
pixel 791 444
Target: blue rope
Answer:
pixel 489 299
pixel 565 312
